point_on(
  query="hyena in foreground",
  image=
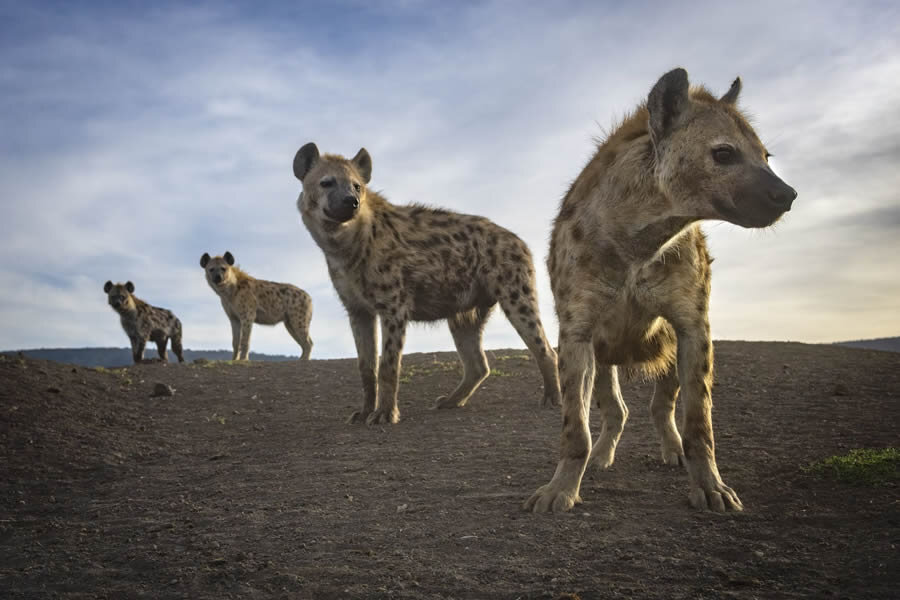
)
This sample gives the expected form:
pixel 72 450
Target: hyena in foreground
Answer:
pixel 248 300
pixel 631 274
pixel 143 322
pixel 412 263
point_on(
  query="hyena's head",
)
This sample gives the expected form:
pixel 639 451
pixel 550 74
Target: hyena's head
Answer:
pixel 334 188
pixel 218 269
pixel 120 295
pixel 709 161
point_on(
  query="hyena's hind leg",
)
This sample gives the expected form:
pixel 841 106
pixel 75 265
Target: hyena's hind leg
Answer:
pixel 176 343
pixel 612 409
pixel 662 408
pixel 518 299
pixel 299 330
pixel 467 329
pixel 161 345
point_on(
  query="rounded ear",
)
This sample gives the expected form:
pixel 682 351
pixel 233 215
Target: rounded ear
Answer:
pixel 204 260
pixel 130 287
pixel 667 101
pixel 229 258
pixel 305 158
pixel 363 163
pixel 107 286
pixel 732 94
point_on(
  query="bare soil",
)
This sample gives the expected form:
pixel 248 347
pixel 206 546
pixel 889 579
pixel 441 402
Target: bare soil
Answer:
pixel 247 483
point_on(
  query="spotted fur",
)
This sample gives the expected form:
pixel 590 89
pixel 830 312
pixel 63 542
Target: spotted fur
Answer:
pixel 413 263
pixel 248 300
pixel 143 322
pixel 630 274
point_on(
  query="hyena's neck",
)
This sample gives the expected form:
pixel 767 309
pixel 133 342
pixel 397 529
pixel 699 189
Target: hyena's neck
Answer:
pixel 130 310
pixel 647 224
pixel 348 247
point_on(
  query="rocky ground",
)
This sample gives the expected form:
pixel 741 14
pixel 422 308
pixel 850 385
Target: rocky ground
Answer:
pixel 247 483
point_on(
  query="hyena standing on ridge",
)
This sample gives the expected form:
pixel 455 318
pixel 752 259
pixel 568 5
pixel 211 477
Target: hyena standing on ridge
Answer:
pixel 412 263
pixel 143 322
pixel 631 274
pixel 248 300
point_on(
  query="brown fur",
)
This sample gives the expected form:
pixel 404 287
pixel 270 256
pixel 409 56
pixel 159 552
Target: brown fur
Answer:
pixel 630 275
pixel 412 263
pixel 143 322
pixel 248 300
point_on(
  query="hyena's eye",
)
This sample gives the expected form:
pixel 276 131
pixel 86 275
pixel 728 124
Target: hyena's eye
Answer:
pixel 357 187
pixel 724 155
pixel 326 183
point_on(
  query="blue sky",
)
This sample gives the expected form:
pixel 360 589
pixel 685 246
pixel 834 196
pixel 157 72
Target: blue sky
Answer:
pixel 136 136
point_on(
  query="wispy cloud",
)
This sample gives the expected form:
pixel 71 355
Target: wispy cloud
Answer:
pixel 138 137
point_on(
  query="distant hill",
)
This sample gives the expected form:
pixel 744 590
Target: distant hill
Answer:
pixel 891 344
pixel 121 357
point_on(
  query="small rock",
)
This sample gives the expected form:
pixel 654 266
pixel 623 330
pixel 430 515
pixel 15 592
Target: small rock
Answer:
pixel 402 508
pixel 840 390
pixel 53 389
pixel 161 389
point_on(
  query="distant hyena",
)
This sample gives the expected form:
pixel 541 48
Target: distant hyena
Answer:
pixel 248 300
pixel 631 274
pixel 143 322
pixel 412 263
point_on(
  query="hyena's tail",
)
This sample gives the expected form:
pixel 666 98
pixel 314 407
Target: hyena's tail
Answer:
pixel 176 341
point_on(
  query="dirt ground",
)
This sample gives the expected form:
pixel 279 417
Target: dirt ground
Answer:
pixel 247 483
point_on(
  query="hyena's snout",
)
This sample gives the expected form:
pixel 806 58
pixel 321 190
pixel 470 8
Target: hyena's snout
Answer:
pixel 342 208
pixel 779 194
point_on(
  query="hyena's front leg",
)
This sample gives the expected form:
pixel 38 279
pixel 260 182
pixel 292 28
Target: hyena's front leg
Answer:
pixel 576 373
pixel 235 338
pixel 393 329
pixel 695 359
pixel 246 328
pixel 137 349
pixel 366 337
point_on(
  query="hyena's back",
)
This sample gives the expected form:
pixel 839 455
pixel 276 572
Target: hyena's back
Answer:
pixel 451 262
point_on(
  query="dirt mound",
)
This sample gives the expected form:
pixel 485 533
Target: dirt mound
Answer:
pixel 246 483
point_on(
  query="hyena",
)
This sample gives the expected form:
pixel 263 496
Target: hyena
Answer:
pixel 248 300
pixel 143 322
pixel 413 263
pixel 630 275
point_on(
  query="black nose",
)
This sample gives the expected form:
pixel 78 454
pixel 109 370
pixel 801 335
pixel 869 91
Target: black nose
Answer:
pixel 217 279
pixel 351 202
pixel 783 196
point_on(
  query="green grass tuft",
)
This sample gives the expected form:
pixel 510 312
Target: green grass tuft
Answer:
pixel 862 466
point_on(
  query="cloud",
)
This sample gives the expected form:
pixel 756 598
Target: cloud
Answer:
pixel 135 139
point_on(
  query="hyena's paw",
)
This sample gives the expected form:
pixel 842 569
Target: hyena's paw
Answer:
pixel 672 453
pixel 448 402
pixel 380 416
pixel 717 497
pixel 550 399
pixel 552 498
pixel 358 416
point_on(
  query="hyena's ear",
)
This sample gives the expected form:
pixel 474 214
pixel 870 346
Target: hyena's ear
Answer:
pixel 305 158
pixel 129 286
pixel 667 101
pixel 732 94
pixel 229 258
pixel 363 163
pixel 204 260
pixel 107 286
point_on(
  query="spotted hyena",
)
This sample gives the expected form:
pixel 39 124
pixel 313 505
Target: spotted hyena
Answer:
pixel 412 263
pixel 248 300
pixel 143 322
pixel 630 274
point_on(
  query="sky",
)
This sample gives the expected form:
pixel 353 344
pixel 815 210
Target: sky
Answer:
pixel 136 136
